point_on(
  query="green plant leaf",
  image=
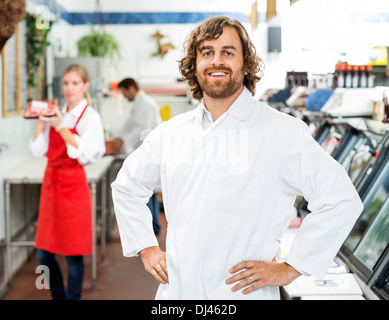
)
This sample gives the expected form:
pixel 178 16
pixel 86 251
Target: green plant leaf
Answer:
pixel 99 43
pixel 36 45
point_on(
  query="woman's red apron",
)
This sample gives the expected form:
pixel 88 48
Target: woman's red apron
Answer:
pixel 65 211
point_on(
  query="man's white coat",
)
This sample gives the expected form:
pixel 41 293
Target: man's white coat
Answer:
pixel 228 193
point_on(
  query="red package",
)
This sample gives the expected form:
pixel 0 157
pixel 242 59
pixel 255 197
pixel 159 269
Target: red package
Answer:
pixel 36 108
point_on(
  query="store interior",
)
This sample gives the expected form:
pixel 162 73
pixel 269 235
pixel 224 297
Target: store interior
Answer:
pixel 326 62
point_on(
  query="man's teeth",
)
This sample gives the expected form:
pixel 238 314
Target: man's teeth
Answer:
pixel 218 74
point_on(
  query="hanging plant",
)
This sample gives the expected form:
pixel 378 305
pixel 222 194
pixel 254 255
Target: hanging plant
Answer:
pixel 36 45
pixel 99 43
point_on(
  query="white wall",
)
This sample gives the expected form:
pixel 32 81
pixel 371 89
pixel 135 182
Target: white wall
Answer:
pixel 137 47
pixel 159 6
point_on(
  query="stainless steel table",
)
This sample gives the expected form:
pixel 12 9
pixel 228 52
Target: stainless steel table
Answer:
pixel 32 172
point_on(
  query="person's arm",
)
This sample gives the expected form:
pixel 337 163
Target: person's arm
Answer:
pixel 88 146
pixel 90 141
pixel 67 136
pixel 132 189
pixel 57 123
pixel 332 199
pixel 334 203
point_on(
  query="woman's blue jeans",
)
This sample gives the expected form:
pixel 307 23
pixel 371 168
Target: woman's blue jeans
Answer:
pixel 75 275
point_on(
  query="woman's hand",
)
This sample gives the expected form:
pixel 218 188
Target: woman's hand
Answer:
pixel 57 124
pixel 258 274
pixel 55 121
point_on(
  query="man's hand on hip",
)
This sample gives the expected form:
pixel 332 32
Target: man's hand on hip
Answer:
pixel 154 261
pixel 258 274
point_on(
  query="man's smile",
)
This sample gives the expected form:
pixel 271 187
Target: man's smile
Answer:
pixel 218 74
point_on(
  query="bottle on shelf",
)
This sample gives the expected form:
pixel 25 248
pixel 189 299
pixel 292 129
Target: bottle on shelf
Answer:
pixel 349 76
pixel 363 78
pixel 341 77
pixel 355 77
pixel 370 76
pixel 290 80
pixel 335 79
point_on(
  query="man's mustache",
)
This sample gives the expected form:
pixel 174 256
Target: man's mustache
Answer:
pixel 216 69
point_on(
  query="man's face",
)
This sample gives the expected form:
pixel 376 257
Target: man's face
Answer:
pixel 219 62
pixel 129 93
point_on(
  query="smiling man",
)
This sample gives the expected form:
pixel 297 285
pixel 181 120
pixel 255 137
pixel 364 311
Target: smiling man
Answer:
pixel 220 70
pixel 230 171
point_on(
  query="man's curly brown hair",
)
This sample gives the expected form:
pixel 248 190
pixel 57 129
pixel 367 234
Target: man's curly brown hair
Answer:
pixel 11 12
pixel 210 29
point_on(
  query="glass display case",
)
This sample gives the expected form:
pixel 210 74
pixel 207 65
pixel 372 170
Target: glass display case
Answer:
pixel 375 166
pixel 372 244
pixel 373 199
pixel 366 245
pixel 376 239
pixel 322 132
pixel 362 164
pixel 359 157
pixel 333 139
pixel 379 282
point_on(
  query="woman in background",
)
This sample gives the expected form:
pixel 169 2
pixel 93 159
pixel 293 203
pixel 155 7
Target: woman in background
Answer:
pixel 71 139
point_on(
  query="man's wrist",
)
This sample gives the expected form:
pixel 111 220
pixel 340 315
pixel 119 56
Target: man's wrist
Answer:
pixel 291 272
pixel 146 250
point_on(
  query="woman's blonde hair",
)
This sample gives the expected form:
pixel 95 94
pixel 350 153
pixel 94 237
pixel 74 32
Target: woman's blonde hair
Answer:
pixel 211 29
pixel 83 73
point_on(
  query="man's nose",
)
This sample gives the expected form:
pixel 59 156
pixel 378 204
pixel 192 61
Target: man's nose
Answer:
pixel 218 60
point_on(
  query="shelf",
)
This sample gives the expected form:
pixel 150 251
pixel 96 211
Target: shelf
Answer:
pixel 377 126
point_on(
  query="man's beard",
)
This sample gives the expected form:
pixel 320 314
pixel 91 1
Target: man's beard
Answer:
pixel 223 88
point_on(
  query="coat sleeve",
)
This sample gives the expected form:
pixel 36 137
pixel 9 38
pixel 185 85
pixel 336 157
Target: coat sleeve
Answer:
pixel 40 144
pixel 131 191
pixel 332 199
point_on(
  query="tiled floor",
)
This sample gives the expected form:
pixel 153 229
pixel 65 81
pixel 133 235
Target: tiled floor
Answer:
pixel 118 278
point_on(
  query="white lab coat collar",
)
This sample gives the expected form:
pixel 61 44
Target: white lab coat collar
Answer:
pixel 76 111
pixel 240 109
pixel 138 96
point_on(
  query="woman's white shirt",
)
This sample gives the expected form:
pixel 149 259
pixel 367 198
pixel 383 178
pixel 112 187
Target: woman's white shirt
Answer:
pixel 90 139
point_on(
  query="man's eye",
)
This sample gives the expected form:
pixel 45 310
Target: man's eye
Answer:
pixel 207 53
